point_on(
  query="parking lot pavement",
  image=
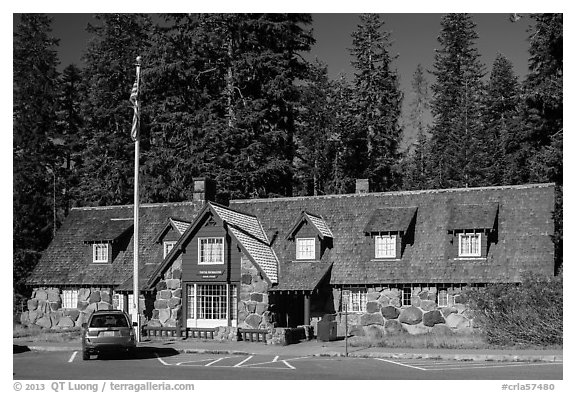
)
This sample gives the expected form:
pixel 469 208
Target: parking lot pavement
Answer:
pixel 235 361
pixel 444 365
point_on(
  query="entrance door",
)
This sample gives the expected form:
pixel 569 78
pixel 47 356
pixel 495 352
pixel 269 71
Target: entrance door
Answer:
pixel 211 305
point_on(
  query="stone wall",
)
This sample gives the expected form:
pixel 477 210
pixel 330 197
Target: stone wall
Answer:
pixel 168 304
pixel 385 315
pixel 253 310
pixel 45 307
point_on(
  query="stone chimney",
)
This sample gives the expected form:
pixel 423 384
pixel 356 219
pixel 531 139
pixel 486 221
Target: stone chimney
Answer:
pixel 204 189
pixel 362 186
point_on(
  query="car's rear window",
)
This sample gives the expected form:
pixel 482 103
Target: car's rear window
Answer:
pixel 107 321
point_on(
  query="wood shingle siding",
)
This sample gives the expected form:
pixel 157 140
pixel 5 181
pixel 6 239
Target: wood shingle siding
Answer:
pixel 524 235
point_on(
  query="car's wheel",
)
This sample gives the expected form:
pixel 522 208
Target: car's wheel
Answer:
pixel 85 355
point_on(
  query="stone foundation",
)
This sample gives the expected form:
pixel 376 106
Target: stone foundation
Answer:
pixel 253 301
pixel 168 304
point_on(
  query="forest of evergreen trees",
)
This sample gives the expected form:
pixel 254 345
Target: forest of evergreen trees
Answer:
pixel 230 96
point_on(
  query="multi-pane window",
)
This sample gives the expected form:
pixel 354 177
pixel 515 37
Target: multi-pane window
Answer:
pixel 406 296
pixel 168 246
pixel 100 253
pixel 69 298
pixel 211 250
pixel 355 299
pixel 469 244
pixel 385 246
pixel 210 301
pixel 305 248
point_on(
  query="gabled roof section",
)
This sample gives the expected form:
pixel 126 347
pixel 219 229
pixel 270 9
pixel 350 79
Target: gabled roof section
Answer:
pixel 391 219
pixel 108 230
pixel 180 226
pixel 472 216
pixel 306 276
pixel 260 253
pixel 246 222
pixel 317 222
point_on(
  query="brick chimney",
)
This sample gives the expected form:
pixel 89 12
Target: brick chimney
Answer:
pixel 204 189
pixel 362 186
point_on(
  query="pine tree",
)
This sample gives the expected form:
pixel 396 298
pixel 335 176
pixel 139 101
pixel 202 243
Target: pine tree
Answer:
pixel 500 150
pixel 456 106
pixel 34 153
pixel 377 105
pixel 415 171
pixel 106 174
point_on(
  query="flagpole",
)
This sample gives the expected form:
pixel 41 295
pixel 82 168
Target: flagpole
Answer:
pixel 136 137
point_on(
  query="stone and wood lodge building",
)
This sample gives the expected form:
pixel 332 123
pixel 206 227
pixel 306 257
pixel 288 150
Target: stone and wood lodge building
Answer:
pixel 393 260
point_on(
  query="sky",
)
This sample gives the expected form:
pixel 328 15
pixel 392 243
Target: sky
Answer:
pixel 413 36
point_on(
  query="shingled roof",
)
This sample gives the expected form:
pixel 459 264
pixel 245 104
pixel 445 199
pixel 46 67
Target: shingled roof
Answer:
pixel 109 230
pixel 65 262
pixel 473 216
pixel 317 222
pixel 525 226
pixel 392 219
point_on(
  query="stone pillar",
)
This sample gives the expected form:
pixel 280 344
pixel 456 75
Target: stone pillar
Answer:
pixel 306 309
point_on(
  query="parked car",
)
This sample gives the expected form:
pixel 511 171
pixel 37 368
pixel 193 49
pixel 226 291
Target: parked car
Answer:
pixel 107 331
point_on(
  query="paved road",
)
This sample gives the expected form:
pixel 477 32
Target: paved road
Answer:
pixel 166 365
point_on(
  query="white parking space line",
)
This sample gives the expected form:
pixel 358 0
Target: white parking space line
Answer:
pixel 161 360
pixel 243 361
pixel 487 366
pixel 401 364
pixel 275 359
pixel 72 357
pixel 288 364
pixel 216 361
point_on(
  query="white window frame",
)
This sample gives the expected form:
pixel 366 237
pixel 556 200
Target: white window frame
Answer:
pixel 461 252
pixel 70 298
pixel 168 243
pixel 105 247
pixel 201 251
pixel 211 305
pixel 355 299
pixel 406 299
pixel 302 253
pixel 383 250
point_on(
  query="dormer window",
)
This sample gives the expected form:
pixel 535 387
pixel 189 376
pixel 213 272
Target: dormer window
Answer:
pixel 168 246
pixel 385 246
pixel 305 248
pixel 100 252
pixel 469 244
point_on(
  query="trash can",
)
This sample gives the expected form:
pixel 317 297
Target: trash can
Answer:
pixel 326 330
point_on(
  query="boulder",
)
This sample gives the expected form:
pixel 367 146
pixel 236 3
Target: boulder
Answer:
pixel 24 319
pixel 372 307
pixel 416 329
pixel 395 302
pixel 372 296
pixel 161 285
pixel 246 279
pixel 155 313
pixel 173 283
pixel 371 319
pixel 256 297
pixel 33 316
pixel 94 297
pixel 383 301
pixel 441 329
pixel 253 320
pixel 160 304
pixel 44 322
pixel 390 312
pixel 53 295
pixel 65 322
pixel 423 295
pixel 177 274
pixel 428 305
pixel 164 294
pixel 356 330
pixel 374 332
pixel 176 313
pixel 391 293
pixel 448 310
pixel 261 308
pixel 83 294
pixel 163 315
pixel 260 286
pixel 82 305
pixel 241 306
pixel 55 306
pixel 432 318
pixel 393 326
pixel 104 306
pixel 177 293
pixel 173 302
pixel 242 316
pixel 251 307
pixel 245 293
pixel 410 316
pixel 415 301
pixel 457 321
pixel 91 308
pixel 105 297
pixel 154 323
pixel 41 294
pixel 460 308
pixel 72 313
pixel 32 304
pixel 170 323
pixel 43 306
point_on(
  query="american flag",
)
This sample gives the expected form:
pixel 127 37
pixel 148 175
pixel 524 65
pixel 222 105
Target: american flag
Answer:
pixel 134 100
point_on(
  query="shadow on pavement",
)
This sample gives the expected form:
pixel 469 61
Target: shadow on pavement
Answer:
pixel 20 348
pixel 139 354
